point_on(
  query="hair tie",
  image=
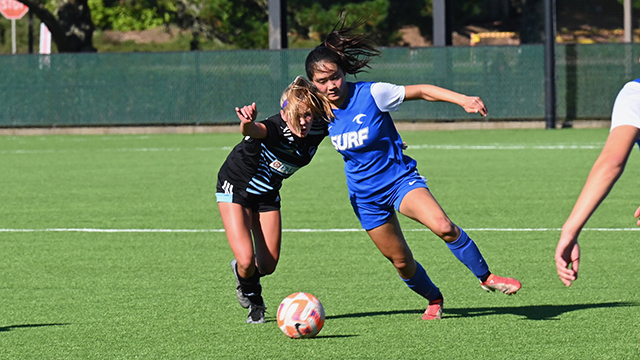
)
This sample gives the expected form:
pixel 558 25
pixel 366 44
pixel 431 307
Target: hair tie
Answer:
pixel 284 104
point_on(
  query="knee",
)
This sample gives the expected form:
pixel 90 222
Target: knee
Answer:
pixel 406 267
pixel 267 266
pixel 403 262
pixel 445 229
pixel 267 269
pixel 400 264
pixel 245 265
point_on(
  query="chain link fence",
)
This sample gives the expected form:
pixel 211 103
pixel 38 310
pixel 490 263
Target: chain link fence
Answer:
pixel 198 88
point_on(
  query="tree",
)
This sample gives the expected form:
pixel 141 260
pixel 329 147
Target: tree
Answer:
pixel 243 23
pixel 127 15
pixel 313 20
pixel 72 29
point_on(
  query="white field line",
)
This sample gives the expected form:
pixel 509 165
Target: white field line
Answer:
pixel 511 147
pixel 18 151
pixel 587 146
pixel 91 230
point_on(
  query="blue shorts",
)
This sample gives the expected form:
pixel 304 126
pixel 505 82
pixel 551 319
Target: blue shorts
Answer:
pixel 375 211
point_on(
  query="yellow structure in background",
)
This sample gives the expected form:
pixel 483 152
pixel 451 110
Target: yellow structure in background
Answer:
pixel 475 38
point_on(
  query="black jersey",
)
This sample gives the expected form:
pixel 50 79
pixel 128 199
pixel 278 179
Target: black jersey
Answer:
pixel 259 165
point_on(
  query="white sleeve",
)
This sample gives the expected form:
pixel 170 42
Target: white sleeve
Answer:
pixel 626 109
pixel 387 96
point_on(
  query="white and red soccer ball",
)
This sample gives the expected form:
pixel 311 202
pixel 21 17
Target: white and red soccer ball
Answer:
pixel 300 315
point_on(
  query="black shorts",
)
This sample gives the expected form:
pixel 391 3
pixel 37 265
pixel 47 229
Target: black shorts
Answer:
pixel 227 192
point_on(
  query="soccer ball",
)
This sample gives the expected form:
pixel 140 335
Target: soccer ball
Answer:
pixel 300 315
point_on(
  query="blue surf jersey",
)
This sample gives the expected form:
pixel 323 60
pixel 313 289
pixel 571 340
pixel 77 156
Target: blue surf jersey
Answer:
pixel 369 143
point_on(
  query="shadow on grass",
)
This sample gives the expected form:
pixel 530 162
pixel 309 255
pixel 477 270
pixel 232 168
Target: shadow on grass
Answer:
pixel 375 313
pixel 13 327
pixel 320 337
pixel 530 312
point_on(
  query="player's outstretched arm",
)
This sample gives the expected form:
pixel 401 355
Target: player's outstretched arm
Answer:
pixel 471 104
pixel 248 127
pixel 604 174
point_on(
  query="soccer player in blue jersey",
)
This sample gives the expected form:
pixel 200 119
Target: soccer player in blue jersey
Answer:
pixel 625 131
pixel 381 179
pixel 251 177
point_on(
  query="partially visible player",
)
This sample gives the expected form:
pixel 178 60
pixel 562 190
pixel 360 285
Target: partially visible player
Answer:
pixel 380 178
pixel 625 131
pixel 250 179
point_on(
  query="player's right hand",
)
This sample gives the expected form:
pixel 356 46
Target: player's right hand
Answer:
pixel 247 113
pixel 567 259
pixel 474 104
pixel 638 215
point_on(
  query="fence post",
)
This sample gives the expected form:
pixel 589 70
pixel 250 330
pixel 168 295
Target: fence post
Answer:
pixel 550 62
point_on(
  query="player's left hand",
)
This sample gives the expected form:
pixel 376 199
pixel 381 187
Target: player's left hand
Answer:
pixel 475 105
pixel 638 215
pixel 567 259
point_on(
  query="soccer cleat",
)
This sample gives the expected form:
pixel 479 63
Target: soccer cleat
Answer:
pixel 508 286
pixel 434 310
pixel 256 314
pixel 242 299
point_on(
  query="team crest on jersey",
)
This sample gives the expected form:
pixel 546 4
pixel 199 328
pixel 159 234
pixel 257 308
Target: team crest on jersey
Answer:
pixel 357 118
pixel 282 167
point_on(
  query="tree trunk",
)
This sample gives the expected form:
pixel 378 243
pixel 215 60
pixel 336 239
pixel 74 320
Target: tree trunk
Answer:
pixel 73 30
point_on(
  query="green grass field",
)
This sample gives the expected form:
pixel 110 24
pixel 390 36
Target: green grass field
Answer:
pixel 71 289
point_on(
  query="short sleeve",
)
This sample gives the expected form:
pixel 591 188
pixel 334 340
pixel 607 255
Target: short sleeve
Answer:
pixel 626 109
pixel 387 96
pixel 274 131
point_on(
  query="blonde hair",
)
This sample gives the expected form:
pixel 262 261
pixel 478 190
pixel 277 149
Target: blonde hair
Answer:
pixel 302 91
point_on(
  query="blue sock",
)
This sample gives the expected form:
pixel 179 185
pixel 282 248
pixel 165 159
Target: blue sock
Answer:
pixel 468 253
pixel 421 284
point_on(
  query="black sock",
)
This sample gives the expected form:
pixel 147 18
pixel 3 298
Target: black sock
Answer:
pixel 251 288
pixel 484 277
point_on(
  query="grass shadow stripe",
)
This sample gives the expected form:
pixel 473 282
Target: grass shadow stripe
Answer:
pixel 23 326
pixel 531 312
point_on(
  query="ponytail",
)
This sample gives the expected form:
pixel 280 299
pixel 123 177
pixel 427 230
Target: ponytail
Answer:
pixel 349 50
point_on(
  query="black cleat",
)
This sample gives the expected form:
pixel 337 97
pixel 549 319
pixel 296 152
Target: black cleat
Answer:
pixel 242 299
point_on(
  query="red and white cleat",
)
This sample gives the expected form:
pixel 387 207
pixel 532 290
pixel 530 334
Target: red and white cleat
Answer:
pixel 508 286
pixel 434 310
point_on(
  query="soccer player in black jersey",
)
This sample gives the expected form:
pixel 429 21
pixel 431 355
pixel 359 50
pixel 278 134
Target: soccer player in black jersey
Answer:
pixel 250 179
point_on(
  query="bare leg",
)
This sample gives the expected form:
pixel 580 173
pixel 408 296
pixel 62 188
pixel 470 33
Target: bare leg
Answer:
pixel 391 243
pixel 420 205
pixel 237 225
pixel 389 239
pixel 267 234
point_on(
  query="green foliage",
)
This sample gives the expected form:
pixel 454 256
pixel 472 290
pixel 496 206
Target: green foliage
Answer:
pixel 130 14
pixel 243 23
pixel 315 21
pixel 468 9
pixel 180 42
pixel 634 3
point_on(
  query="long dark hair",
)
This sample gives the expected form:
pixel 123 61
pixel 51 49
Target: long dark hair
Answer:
pixel 349 50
